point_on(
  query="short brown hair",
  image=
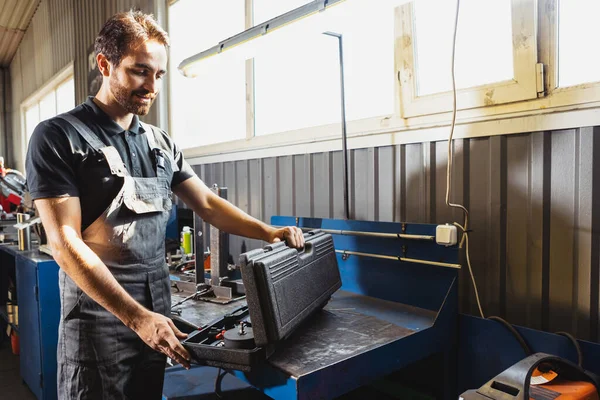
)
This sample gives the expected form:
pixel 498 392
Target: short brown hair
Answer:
pixel 125 29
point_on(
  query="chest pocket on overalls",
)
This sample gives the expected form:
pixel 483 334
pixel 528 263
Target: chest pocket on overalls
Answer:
pixel 147 203
pixel 150 195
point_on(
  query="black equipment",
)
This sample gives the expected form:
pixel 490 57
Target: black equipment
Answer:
pixel 284 287
pixel 572 382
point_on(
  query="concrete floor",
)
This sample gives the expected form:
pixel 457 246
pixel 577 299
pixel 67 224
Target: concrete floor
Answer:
pixel 11 385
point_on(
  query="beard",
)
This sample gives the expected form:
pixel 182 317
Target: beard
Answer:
pixel 128 99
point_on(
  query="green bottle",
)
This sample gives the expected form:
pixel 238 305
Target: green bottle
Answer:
pixel 186 239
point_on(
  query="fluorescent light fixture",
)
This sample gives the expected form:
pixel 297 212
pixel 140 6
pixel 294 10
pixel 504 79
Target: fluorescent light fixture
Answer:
pixel 248 43
pixel 190 66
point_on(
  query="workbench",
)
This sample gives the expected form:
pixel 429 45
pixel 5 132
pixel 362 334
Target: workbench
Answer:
pixel 39 315
pixel 387 315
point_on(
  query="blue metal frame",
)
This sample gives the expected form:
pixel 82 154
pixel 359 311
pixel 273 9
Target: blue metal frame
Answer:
pixel 39 314
pixel 428 289
pixel 29 324
pixel 49 303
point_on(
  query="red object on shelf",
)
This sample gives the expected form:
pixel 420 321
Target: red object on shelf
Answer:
pixel 13 198
pixel 10 203
pixel 14 342
pixel 4 203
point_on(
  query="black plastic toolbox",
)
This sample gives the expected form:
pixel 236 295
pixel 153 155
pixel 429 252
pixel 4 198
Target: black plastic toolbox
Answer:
pixel 284 287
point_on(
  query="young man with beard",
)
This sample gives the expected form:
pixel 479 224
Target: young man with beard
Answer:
pixel 102 183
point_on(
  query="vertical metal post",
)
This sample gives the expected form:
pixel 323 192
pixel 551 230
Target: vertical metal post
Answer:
pixel 24 235
pixel 219 246
pixel 343 107
pixel 199 248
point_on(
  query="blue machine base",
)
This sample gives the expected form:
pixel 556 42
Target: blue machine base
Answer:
pixel 198 383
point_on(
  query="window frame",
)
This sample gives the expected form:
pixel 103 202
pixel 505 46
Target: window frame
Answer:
pixel 523 86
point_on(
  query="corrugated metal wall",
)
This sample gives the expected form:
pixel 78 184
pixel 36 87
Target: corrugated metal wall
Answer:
pixel 532 207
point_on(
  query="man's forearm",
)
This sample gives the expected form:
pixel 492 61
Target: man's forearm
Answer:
pixel 231 219
pixel 225 216
pixel 86 269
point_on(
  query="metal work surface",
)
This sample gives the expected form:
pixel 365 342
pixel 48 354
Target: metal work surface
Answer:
pixel 349 325
pixel 354 340
pixel 413 318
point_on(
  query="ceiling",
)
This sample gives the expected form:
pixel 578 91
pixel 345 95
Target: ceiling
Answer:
pixel 15 16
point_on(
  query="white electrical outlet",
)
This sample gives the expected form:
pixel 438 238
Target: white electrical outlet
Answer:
pixel 446 235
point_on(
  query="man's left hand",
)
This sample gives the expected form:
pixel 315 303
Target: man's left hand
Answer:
pixel 291 234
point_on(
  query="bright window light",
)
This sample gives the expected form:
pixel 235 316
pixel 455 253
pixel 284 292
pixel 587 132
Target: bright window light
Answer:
pixel 297 69
pixel 210 108
pixel 32 118
pixel 264 10
pixel 48 106
pixel 65 96
pixel 484 50
pixel 577 25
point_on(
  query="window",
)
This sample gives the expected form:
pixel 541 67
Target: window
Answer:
pixel 296 69
pixel 32 118
pixel 433 52
pixel 577 23
pixel 210 108
pixel 56 100
pixel 65 96
pixel 397 70
pixel 264 10
pixel 501 33
pixel 47 106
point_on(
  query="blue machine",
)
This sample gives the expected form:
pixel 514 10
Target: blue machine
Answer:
pixel 39 314
pixel 397 305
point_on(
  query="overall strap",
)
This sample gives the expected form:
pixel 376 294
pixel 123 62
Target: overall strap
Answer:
pixel 150 133
pixel 115 162
pixel 83 130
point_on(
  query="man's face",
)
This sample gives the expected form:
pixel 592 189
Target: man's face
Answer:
pixel 136 81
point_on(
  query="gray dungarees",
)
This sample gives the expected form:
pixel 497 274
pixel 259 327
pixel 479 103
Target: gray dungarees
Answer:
pixel 98 356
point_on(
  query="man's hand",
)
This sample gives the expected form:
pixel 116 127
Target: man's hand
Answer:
pixel 161 334
pixel 291 234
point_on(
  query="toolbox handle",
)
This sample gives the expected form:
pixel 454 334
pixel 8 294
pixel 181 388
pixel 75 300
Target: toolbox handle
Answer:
pixel 274 246
pixel 306 251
